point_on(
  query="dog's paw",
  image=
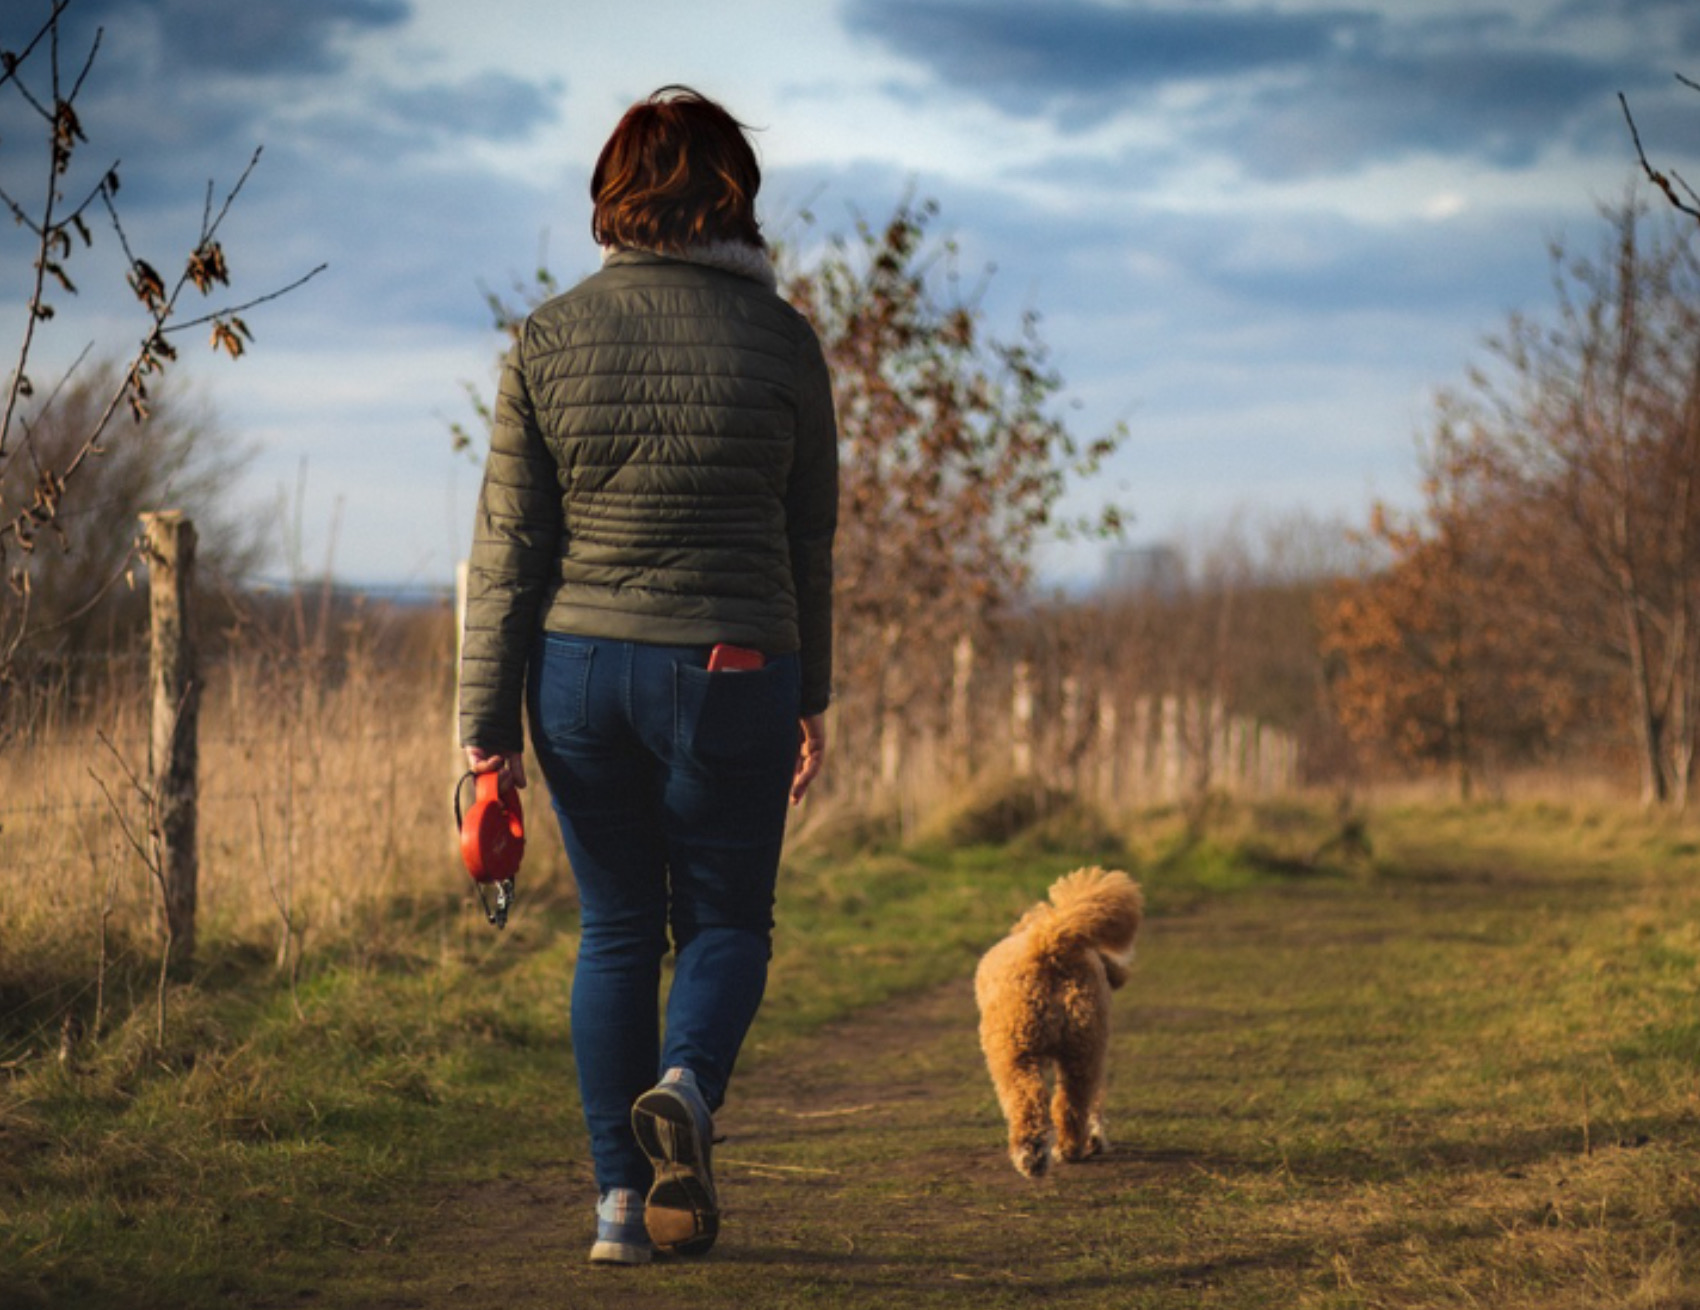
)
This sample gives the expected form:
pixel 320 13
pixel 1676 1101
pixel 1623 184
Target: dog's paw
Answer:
pixel 1032 1159
pixel 1072 1151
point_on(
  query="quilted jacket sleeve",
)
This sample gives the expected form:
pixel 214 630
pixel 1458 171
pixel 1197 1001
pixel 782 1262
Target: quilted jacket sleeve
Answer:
pixel 516 548
pixel 811 516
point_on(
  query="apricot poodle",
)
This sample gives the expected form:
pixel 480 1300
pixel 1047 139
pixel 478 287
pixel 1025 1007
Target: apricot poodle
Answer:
pixel 1044 998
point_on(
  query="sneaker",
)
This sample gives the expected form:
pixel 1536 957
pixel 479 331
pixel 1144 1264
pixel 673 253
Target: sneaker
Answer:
pixel 676 1131
pixel 620 1235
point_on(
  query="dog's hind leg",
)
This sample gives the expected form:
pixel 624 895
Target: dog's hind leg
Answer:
pixel 1021 1095
pixel 1077 1107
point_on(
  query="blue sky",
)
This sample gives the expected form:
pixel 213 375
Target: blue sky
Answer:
pixel 1263 234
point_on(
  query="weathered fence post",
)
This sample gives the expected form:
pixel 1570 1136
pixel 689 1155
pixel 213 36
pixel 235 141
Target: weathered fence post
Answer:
pixel 1109 780
pixel 891 715
pixel 1021 721
pixel 1170 747
pixel 1073 730
pixel 891 748
pixel 173 747
pixel 961 708
pixel 1142 769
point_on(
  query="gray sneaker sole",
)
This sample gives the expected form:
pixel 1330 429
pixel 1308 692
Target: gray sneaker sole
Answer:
pixel 681 1213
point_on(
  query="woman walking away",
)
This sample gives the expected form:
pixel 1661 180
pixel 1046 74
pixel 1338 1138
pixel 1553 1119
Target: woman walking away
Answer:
pixel 651 576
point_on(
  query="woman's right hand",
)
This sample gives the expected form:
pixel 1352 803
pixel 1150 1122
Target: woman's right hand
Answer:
pixel 509 764
pixel 811 756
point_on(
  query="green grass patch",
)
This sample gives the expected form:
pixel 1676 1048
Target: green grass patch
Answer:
pixel 1438 1056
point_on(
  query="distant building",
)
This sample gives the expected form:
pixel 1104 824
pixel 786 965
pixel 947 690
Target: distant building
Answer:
pixel 1144 570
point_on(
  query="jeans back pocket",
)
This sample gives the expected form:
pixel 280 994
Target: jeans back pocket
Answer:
pixel 562 690
pixel 743 721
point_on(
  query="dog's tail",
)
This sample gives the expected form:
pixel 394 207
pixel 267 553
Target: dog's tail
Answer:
pixel 1096 908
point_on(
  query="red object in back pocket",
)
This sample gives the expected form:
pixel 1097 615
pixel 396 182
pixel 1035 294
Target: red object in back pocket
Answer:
pixel 724 658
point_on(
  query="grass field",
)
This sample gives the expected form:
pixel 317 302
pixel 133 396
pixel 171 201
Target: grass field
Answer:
pixel 1453 1061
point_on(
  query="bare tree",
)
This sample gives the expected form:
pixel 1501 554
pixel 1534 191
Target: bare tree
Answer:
pixel 80 598
pixel 1597 434
pixel 1557 569
pixel 73 201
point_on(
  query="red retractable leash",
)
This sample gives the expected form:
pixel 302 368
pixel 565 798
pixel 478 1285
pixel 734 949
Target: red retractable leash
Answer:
pixel 492 840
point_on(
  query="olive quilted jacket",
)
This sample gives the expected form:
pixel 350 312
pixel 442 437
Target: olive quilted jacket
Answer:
pixel 663 468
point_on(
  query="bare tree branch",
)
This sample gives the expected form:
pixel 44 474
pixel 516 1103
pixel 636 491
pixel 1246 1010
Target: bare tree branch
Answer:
pixel 57 232
pixel 1662 181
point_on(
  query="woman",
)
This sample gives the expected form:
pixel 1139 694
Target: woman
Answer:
pixel 651 575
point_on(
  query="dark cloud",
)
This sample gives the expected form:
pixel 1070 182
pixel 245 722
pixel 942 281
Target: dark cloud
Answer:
pixel 1069 50
pixel 225 36
pixel 181 90
pixel 1502 107
pixel 491 107
pixel 1212 275
pixel 1669 29
pixel 1300 93
pixel 297 37
pixel 370 176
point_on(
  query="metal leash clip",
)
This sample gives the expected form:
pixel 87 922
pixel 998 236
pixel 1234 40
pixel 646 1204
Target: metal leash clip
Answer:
pixel 492 840
pixel 504 902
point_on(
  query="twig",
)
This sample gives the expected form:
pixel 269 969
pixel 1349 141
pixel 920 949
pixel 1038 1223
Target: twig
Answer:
pixel 88 64
pixel 1657 178
pixel 777 1168
pixel 282 900
pixel 209 230
pixel 831 1114
pixel 228 310
pixel 65 620
pixel 151 854
pixel 10 72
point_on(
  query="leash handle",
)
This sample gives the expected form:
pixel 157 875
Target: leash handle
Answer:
pixel 492 839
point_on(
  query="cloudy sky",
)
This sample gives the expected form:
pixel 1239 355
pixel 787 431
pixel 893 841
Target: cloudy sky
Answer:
pixel 1261 233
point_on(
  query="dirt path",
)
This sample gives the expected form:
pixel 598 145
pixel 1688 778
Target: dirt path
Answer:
pixel 867 1166
pixel 1308 1094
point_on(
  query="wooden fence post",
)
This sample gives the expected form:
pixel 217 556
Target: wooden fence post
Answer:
pixel 1142 753
pixel 1109 777
pixel 961 708
pixel 1021 721
pixel 1171 746
pixel 173 746
pixel 1073 730
pixel 891 748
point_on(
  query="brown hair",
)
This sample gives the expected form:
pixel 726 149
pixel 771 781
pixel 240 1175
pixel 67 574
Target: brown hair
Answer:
pixel 678 171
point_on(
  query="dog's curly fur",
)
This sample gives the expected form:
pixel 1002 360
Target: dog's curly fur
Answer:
pixel 1044 998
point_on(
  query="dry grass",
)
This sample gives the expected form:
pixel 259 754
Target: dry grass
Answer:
pixel 323 792
pixel 325 822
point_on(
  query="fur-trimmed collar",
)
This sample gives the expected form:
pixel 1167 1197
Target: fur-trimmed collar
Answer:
pixel 728 256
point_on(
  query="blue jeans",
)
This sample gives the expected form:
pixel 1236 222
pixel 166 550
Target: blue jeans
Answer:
pixel 670 784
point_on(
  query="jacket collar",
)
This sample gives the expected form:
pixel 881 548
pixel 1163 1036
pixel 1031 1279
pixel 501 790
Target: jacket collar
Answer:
pixel 727 256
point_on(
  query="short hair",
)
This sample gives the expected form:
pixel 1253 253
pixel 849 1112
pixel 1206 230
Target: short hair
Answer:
pixel 678 171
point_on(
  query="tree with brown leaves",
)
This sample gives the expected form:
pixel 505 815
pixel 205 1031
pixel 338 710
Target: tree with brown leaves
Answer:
pixel 1555 578
pixel 953 460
